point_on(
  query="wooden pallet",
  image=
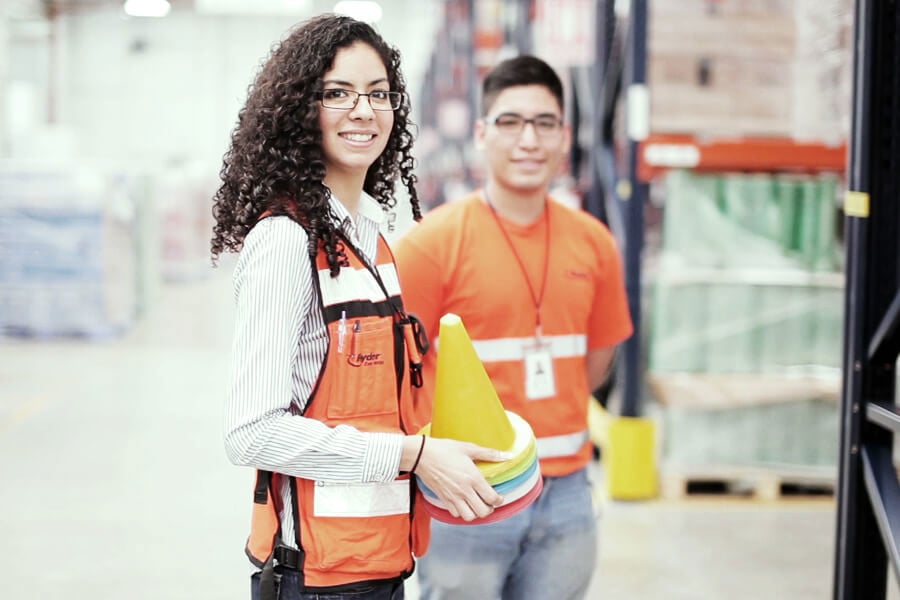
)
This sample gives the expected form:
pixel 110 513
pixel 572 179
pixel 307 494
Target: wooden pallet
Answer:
pixel 760 483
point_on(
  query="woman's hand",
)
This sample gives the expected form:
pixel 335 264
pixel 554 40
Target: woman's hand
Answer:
pixel 448 469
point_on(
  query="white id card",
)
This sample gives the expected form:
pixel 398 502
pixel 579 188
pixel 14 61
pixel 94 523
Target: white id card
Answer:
pixel 539 379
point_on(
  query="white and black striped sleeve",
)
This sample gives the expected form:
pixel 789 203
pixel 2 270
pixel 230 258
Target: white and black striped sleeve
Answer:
pixel 270 378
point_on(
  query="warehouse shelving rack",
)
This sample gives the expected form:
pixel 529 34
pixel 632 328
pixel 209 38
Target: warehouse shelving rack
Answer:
pixel 868 519
pixel 660 151
pixel 648 154
pixel 868 511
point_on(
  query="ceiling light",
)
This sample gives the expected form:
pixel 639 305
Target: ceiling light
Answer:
pixel 293 8
pixel 147 8
pixel 361 10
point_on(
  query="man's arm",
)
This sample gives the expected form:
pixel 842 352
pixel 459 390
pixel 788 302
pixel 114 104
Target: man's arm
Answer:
pixel 599 362
pixel 610 321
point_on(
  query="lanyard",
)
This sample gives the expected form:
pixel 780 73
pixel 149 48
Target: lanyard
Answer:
pixel 413 332
pixel 538 298
pixel 373 270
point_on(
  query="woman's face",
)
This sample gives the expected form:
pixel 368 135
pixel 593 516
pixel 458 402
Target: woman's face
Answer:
pixel 352 139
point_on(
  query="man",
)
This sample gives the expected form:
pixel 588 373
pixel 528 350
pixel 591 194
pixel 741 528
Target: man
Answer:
pixel 539 288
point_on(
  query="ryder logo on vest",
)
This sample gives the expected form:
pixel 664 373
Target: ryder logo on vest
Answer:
pixel 363 359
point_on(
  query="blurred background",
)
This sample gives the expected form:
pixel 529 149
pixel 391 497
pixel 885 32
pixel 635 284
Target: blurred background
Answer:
pixel 115 327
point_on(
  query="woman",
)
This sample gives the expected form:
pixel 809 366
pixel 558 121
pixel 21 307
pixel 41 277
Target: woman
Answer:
pixel 323 356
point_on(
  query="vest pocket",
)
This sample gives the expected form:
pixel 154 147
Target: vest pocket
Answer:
pixel 371 545
pixel 363 371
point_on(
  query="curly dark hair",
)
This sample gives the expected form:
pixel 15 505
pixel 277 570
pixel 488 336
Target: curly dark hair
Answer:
pixel 276 163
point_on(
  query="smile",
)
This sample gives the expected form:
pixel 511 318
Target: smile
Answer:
pixel 358 137
pixel 529 163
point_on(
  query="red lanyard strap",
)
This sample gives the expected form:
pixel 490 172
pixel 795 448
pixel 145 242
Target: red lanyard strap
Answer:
pixel 537 299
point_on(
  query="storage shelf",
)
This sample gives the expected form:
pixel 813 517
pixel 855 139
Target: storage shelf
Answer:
pixel 660 152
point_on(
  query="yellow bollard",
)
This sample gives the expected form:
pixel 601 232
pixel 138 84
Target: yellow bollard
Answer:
pixel 629 459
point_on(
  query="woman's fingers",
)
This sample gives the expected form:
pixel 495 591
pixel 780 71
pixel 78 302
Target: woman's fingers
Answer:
pixel 483 509
pixel 488 495
pixel 465 512
pixel 488 454
pixel 448 468
pixel 472 507
pixel 468 502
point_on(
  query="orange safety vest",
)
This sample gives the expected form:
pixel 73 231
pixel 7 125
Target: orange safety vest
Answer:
pixel 353 532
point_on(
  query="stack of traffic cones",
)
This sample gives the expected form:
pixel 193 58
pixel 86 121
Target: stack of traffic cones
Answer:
pixel 466 407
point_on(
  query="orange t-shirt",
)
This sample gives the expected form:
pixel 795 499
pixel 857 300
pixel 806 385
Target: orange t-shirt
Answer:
pixel 458 260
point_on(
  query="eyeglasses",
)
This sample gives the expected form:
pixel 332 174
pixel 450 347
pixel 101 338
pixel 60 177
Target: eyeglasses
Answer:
pixel 513 124
pixel 347 99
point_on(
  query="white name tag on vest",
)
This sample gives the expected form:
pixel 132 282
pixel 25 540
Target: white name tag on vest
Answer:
pixel 539 379
pixel 361 499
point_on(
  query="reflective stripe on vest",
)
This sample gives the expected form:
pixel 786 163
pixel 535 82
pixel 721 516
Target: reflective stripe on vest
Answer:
pixel 508 349
pixel 361 500
pixel 358 284
pixel 561 445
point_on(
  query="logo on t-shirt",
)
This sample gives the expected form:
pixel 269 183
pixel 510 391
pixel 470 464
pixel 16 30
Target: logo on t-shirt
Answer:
pixel 577 274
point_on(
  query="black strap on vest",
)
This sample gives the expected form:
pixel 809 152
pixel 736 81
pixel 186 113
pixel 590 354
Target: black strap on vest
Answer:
pixel 282 556
pixel 420 339
pixel 263 483
pixel 268 578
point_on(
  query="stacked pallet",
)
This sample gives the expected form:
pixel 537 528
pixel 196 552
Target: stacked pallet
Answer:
pixel 745 326
pixel 751 68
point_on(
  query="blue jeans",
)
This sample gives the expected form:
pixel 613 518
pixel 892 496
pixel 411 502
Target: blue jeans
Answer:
pixel 546 551
pixel 290 584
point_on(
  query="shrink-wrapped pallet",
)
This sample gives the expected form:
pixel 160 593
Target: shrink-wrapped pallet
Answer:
pixel 69 242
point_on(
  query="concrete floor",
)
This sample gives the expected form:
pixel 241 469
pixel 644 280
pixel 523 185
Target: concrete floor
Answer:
pixel 115 484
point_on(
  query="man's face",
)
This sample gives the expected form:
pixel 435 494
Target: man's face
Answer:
pixel 523 156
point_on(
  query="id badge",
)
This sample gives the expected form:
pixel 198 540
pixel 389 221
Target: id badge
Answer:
pixel 539 379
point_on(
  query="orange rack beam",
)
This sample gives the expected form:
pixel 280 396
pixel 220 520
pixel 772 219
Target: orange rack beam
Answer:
pixel 660 152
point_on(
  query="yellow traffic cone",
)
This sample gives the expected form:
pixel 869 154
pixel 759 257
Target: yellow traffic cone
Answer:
pixel 466 405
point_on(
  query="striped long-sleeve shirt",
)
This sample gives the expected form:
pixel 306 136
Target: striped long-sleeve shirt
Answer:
pixel 280 341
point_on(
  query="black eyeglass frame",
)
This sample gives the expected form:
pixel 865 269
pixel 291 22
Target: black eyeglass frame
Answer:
pixel 523 121
pixel 393 98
